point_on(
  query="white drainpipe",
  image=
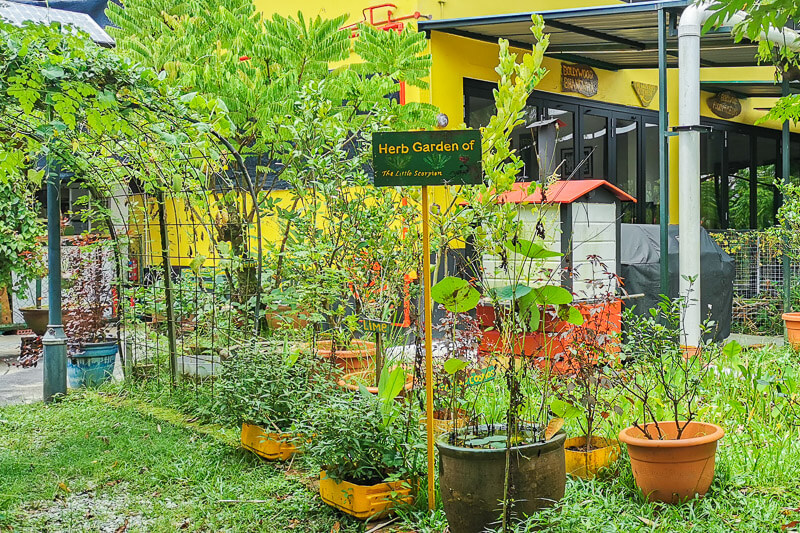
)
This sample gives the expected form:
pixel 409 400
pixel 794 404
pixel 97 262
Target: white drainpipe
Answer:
pixel 689 29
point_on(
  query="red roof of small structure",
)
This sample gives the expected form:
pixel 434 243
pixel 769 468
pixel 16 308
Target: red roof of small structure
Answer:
pixel 560 192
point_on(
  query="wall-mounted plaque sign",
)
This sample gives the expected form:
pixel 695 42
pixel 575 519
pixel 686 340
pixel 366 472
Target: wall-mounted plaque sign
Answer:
pixel 644 91
pixel 408 158
pixel 579 79
pixel 724 105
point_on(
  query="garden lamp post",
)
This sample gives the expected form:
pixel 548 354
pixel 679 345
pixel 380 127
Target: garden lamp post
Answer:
pixel 54 340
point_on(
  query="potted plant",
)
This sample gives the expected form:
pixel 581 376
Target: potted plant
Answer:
pixel 88 307
pixel 342 349
pixel 788 231
pixel 366 449
pixel 586 395
pixel 268 388
pixel 518 458
pixel 282 308
pixel 672 454
pixel 509 461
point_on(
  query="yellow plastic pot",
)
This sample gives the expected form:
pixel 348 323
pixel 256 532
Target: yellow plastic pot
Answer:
pixel 586 465
pixel 443 423
pixel 363 501
pixel 272 446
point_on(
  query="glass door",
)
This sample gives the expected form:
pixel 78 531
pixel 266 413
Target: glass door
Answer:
pixel 625 139
pixel 649 197
pixel 593 156
pixel 562 156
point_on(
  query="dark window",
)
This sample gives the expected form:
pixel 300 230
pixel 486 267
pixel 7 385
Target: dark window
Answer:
pixel 738 163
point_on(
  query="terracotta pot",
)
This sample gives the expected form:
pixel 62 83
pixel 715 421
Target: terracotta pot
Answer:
pixel 364 501
pixel 690 351
pixel 792 321
pixel 673 470
pixel 271 446
pixel 360 356
pixel 284 317
pixel 350 381
pixel 586 465
pixel 471 481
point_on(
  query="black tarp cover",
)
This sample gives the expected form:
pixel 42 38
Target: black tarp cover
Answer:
pixel 639 258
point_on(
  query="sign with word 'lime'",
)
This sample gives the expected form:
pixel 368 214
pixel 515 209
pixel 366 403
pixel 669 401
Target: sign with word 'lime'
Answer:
pixel 409 158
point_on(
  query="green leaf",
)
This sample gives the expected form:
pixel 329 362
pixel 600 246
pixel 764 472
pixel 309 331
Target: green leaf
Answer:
pixel 529 310
pixel 291 357
pixel 197 263
pixel 553 295
pixel 454 364
pixel 574 316
pixel 732 350
pixel 564 409
pixel 512 292
pixel 53 72
pixel 531 249
pixel 390 384
pixel 456 294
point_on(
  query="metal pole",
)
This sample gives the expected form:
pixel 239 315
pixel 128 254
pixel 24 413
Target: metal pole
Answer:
pixel 54 340
pixel 663 155
pixel 689 30
pixel 168 295
pixel 785 174
pixel 426 278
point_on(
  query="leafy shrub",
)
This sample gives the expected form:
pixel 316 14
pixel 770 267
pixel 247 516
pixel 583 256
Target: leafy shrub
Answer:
pixel 365 438
pixel 271 385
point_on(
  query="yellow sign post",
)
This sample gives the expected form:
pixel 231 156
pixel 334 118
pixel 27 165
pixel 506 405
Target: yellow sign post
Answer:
pixel 423 158
pixel 428 313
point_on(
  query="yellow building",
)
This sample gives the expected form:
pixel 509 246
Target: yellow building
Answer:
pixel 603 86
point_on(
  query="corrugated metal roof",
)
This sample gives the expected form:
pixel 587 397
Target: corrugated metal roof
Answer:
pixel 16 14
pixel 611 37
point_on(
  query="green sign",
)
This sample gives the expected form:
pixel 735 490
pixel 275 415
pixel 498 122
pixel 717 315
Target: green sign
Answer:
pixel 477 378
pixel 409 158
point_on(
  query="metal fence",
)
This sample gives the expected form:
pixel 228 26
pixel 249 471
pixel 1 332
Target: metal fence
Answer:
pixel 758 290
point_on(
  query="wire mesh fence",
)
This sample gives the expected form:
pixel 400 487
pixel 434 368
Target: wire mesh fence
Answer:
pixel 758 288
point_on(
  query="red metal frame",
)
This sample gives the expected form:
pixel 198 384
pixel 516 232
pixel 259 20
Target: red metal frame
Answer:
pixel 390 23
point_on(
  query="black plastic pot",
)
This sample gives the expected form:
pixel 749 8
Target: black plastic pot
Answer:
pixel 471 482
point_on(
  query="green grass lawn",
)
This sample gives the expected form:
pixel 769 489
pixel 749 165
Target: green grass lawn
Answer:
pixel 90 464
pixel 98 461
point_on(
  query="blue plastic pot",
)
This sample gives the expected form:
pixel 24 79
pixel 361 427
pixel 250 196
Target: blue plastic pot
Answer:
pixel 93 366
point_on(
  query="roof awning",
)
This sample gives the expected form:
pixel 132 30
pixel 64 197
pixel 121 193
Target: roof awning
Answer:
pixel 17 14
pixel 749 89
pixel 559 192
pixel 609 37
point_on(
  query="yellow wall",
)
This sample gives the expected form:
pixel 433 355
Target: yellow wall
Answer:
pixel 437 9
pixel 188 229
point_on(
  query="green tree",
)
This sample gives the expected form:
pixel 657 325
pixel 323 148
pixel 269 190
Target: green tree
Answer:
pixel 97 118
pixel 21 253
pixel 304 123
